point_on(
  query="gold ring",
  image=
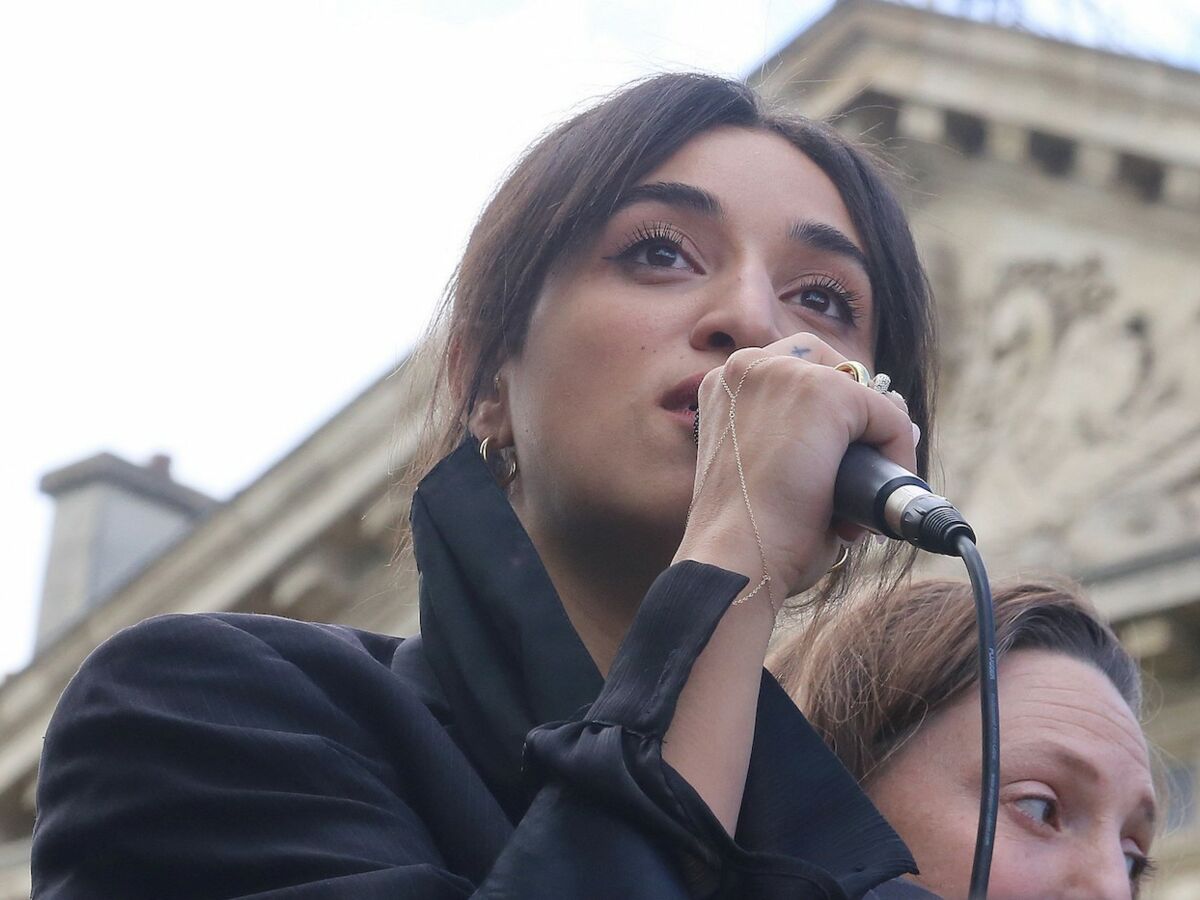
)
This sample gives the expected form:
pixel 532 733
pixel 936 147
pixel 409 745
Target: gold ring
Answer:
pixel 855 370
pixel 843 555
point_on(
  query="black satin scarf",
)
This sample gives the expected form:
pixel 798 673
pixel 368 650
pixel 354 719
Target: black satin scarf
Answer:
pixel 492 626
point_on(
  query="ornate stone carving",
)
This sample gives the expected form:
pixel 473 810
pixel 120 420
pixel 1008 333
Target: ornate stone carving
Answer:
pixel 1065 423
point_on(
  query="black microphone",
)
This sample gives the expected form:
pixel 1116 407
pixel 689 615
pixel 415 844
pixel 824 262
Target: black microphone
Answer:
pixel 876 493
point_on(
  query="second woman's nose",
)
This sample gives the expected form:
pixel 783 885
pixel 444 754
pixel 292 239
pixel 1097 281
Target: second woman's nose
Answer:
pixel 740 311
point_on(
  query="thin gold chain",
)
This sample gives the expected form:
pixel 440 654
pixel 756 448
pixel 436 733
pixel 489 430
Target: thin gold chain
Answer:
pixel 731 432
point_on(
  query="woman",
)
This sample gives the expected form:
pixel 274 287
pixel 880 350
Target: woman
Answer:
pixel 585 712
pixel 890 682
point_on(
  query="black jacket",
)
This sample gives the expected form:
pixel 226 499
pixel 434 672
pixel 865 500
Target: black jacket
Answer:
pixel 220 756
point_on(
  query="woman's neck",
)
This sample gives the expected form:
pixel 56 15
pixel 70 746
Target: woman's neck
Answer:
pixel 601 576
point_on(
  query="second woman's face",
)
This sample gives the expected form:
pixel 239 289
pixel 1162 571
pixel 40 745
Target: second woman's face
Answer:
pixel 738 240
pixel 1077 803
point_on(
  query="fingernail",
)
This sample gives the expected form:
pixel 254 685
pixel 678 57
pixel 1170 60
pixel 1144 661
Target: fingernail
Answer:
pixel 881 539
pixel 916 434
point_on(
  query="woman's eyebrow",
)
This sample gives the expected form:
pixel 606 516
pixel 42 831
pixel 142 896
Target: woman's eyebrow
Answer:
pixel 1076 766
pixel 672 193
pixel 1043 751
pixel 817 235
pixel 820 236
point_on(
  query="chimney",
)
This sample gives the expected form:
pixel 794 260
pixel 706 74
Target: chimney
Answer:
pixel 111 518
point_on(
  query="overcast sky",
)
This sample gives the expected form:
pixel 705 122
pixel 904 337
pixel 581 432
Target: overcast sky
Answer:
pixel 220 220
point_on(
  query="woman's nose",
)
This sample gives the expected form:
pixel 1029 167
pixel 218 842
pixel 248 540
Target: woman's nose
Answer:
pixel 740 311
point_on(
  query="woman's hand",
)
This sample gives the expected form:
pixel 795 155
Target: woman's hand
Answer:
pixel 795 415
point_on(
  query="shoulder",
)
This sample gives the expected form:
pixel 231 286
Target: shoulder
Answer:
pixel 180 702
pixel 168 650
pixel 262 675
pixel 199 635
pixel 231 750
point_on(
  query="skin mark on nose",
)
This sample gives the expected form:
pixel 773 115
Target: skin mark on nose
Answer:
pixel 800 352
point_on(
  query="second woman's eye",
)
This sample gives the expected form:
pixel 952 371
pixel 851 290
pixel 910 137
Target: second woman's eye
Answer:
pixel 1137 865
pixel 1041 809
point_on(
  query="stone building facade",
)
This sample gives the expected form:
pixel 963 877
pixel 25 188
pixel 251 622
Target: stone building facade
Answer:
pixel 1055 192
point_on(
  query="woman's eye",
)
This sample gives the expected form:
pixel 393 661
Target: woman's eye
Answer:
pixel 1139 866
pixel 655 245
pixel 827 297
pixel 1135 865
pixel 820 301
pixel 659 253
pixel 1040 809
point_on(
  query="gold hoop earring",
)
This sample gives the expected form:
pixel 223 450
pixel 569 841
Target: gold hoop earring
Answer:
pixel 503 480
pixel 843 555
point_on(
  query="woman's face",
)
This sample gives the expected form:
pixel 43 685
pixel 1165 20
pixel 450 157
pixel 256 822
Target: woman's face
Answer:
pixel 1076 798
pixel 737 240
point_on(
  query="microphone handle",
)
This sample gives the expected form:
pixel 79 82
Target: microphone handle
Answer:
pixel 865 480
pixel 876 493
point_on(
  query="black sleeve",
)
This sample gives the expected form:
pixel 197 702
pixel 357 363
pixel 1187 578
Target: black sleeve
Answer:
pixel 805 829
pixel 191 759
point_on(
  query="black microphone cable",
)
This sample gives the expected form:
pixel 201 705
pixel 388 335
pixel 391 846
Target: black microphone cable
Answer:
pixel 989 711
pixel 874 492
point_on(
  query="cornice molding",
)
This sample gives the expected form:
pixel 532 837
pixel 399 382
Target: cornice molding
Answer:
pixel 1005 76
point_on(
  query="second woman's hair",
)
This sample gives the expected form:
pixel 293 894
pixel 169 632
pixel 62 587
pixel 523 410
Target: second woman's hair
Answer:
pixel 869 673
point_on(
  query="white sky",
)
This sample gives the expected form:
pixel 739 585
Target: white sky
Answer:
pixel 220 220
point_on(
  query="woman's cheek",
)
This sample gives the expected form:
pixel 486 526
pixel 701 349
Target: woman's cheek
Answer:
pixel 1019 865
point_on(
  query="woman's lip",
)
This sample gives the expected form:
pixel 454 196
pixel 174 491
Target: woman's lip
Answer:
pixel 686 417
pixel 683 397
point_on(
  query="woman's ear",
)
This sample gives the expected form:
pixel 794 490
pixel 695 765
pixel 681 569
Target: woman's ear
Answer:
pixel 491 416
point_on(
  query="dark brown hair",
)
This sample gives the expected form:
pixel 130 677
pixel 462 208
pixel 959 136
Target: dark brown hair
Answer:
pixel 869 673
pixel 565 187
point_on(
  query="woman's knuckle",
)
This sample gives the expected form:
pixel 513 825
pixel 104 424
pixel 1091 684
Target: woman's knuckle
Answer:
pixel 708 384
pixel 740 360
pixel 813 385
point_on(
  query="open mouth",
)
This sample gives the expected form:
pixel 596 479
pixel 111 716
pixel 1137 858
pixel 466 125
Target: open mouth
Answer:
pixel 683 400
